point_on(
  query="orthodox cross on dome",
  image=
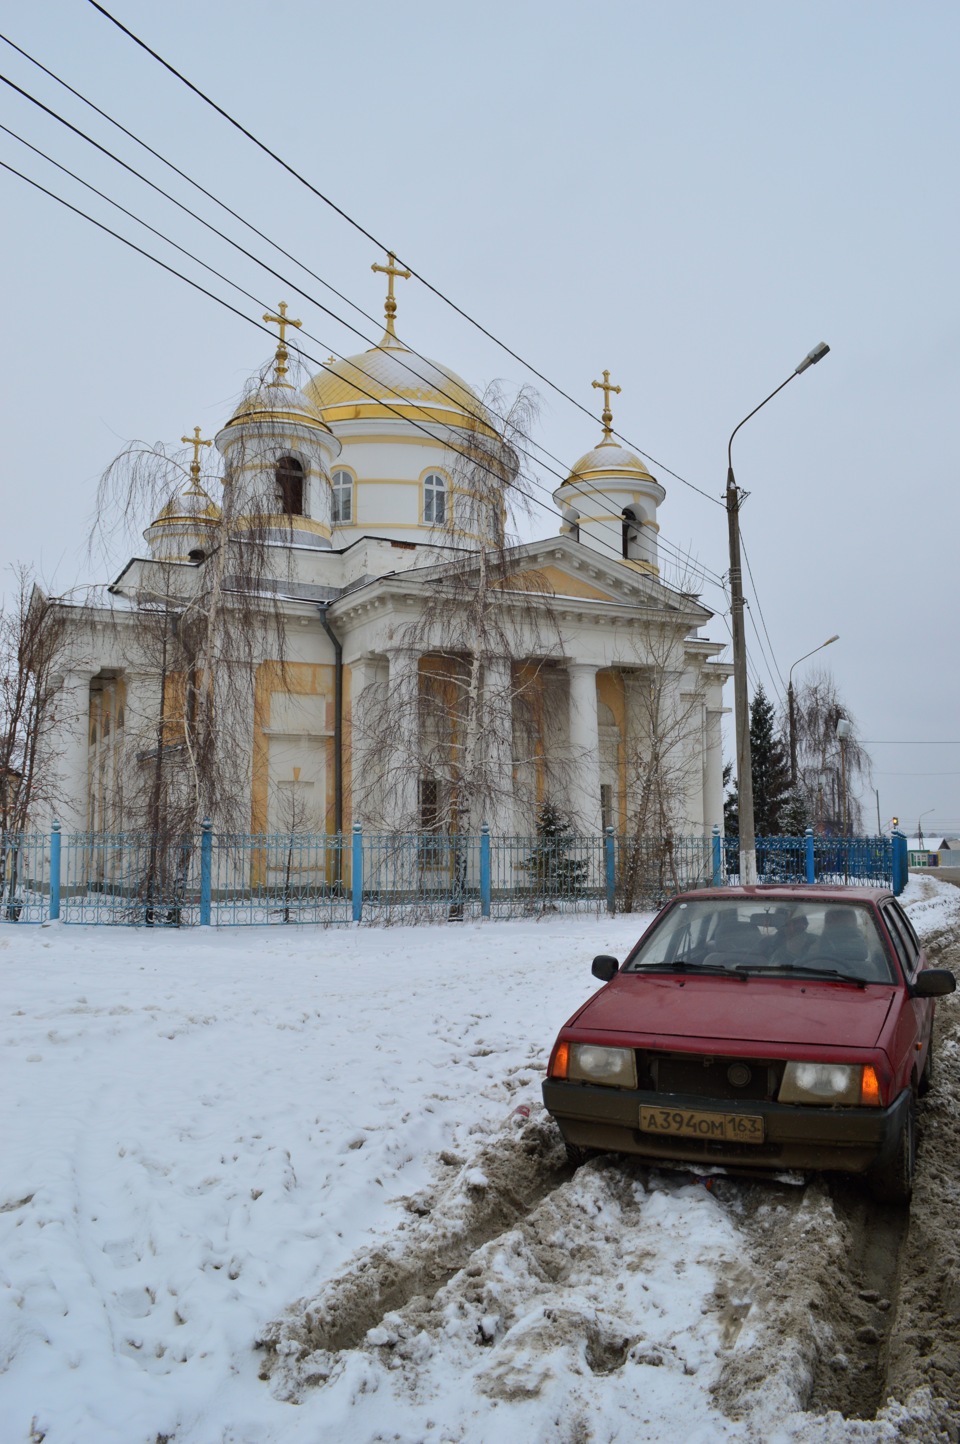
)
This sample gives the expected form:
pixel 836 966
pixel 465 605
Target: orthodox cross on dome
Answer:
pixel 606 386
pixel 282 321
pixel 196 442
pixel 390 270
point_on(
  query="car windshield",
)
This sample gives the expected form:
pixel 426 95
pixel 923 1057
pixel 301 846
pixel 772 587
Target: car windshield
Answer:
pixel 806 937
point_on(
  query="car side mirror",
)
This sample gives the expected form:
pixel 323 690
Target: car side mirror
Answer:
pixel 934 983
pixel 606 967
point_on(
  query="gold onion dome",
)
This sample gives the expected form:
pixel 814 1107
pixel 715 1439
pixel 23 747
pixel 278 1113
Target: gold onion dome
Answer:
pixel 193 504
pixel 606 459
pixel 277 399
pixel 389 380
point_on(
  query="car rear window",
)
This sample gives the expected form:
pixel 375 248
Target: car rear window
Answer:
pixel 761 936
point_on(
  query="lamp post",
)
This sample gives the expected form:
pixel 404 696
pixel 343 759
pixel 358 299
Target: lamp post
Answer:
pixel 748 841
pixel 843 732
pixel 790 712
pixel 920 826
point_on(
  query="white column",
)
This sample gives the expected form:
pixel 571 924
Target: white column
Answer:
pixel 404 759
pixel 497 715
pixel 583 788
pixel 71 794
pixel 712 771
pixel 365 765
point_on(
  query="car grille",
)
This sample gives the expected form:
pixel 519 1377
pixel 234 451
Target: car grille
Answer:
pixel 703 1075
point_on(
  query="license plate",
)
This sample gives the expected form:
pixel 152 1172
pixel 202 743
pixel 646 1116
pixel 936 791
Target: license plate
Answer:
pixel 684 1123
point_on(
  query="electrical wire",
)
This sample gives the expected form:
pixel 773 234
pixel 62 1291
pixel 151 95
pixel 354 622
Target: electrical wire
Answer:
pixel 243 316
pixel 679 557
pixel 381 246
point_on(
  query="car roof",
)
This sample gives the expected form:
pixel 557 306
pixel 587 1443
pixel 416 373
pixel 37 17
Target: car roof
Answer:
pixel 787 892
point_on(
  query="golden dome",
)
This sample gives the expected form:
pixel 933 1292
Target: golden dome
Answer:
pixel 609 459
pixel 277 401
pixel 192 505
pixel 390 381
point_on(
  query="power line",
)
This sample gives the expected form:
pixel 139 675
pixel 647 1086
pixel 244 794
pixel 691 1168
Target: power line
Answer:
pixel 679 556
pixel 261 145
pixel 250 321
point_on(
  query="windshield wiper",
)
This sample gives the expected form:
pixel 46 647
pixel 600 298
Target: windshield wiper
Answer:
pixel 803 971
pixel 681 966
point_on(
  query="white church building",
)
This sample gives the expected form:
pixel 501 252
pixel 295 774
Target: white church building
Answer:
pixel 331 589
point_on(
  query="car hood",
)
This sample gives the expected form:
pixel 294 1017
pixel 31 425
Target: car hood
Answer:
pixel 762 1010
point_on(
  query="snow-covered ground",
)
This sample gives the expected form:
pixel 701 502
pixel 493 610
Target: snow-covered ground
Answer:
pixel 212 1138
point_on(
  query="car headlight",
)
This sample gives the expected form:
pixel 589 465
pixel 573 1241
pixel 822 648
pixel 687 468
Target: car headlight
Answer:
pixel 591 1063
pixel 830 1083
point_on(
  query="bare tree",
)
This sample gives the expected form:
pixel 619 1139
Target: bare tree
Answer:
pixel 827 778
pixel 443 739
pixel 199 633
pixel 31 649
pixel 664 709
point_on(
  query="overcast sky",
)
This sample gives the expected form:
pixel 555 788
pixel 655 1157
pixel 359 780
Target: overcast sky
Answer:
pixel 691 195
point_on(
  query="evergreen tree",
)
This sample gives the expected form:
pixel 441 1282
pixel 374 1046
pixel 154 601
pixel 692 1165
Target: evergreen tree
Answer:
pixel 551 869
pixel 731 811
pixel 771 780
pixel 770 767
pixel 794 814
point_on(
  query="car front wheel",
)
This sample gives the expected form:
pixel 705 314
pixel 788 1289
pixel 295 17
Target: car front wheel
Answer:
pixel 892 1180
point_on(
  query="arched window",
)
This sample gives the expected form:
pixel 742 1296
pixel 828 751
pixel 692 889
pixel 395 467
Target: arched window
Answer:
pixel 342 497
pixel 289 474
pixel 632 521
pixel 434 499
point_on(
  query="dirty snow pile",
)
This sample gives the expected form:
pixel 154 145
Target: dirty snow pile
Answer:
pixel 275 1185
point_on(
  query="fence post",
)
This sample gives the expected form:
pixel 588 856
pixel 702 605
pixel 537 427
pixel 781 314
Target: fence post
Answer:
pixel 610 868
pixel 356 879
pixel 901 869
pixel 808 844
pixel 717 846
pixel 206 871
pixel 485 869
pixel 55 872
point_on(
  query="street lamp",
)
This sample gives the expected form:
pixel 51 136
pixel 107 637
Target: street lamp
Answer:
pixel 790 711
pixel 844 730
pixel 748 841
pixel 920 826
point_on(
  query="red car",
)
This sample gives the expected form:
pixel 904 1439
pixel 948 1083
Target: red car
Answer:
pixel 759 1027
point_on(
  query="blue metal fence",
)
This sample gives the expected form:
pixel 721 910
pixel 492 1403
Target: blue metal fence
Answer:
pixel 228 878
pixel 869 861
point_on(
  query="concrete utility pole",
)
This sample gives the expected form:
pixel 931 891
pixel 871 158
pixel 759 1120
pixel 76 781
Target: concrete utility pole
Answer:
pixel 748 841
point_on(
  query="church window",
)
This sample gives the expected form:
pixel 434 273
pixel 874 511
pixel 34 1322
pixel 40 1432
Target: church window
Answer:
pixel 434 499
pixel 606 805
pixel 430 819
pixel 342 497
pixel 289 474
pixel 630 531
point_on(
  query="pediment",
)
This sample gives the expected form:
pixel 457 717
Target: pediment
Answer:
pixel 552 580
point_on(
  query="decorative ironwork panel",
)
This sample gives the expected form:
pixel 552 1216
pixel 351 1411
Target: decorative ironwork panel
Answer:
pixel 420 877
pixel 129 878
pixel 24 877
pixel 539 874
pixel 279 878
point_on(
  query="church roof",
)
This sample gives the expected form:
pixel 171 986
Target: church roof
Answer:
pixel 277 401
pixel 607 458
pixel 388 380
pixel 193 504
